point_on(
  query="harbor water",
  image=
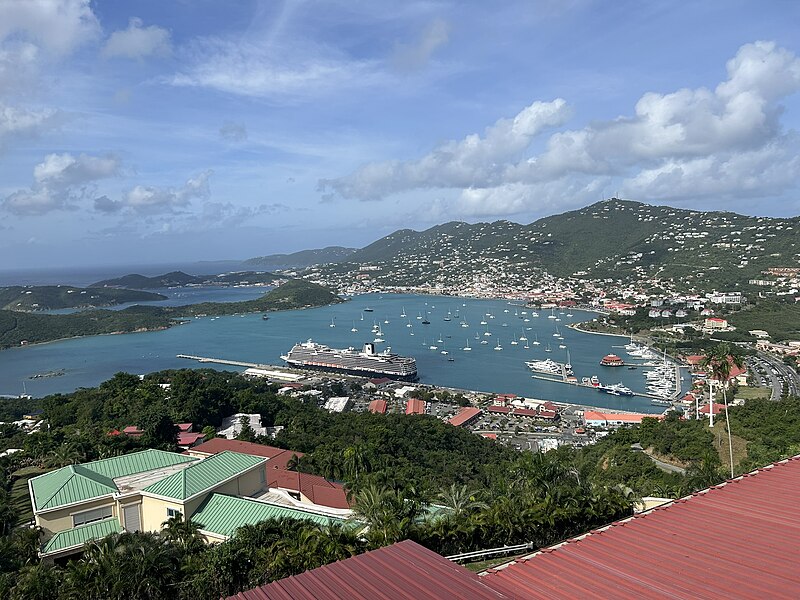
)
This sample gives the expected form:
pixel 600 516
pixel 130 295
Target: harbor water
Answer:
pixel 89 361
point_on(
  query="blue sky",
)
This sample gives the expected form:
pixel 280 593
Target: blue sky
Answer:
pixel 152 131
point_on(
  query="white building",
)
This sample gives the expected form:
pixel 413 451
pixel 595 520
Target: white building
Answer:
pixel 232 425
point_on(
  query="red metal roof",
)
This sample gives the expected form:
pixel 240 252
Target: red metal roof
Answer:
pixel 499 409
pixel 378 407
pixel 465 415
pixel 403 570
pixel 415 406
pixel 740 539
pixel 317 489
pixel 278 457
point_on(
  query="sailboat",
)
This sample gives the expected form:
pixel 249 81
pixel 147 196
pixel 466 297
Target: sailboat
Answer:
pixel 548 348
pixel 514 342
pixel 362 316
pixel 568 365
pixel 403 314
pixel 498 346
pixel 536 341
pixel 552 314
pixel 522 338
pixel 425 320
pixel 419 316
pixel 332 324
pixel 409 323
pixel 440 340
pixel 467 347
pixel 464 324
pixel 354 330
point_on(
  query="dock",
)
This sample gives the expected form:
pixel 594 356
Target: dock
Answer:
pixel 223 361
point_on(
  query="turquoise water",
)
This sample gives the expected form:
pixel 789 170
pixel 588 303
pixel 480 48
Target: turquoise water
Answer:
pixel 89 361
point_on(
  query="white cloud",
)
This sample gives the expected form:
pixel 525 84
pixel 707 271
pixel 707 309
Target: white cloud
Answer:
pixel 148 200
pixel 21 122
pixel 410 57
pixel 60 181
pixel 138 42
pixel 684 144
pixel 58 26
pixel 289 72
pixel 474 161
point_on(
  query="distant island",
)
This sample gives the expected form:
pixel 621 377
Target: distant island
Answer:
pixel 54 297
pixel 180 279
pixel 302 259
pixel 21 328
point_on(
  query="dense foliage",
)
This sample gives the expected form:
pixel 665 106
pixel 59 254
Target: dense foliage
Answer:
pixel 179 278
pixel 410 477
pixel 51 297
pixel 16 327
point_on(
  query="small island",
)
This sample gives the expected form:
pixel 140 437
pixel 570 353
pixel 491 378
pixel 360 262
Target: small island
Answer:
pixel 22 328
pixel 181 279
pixel 32 298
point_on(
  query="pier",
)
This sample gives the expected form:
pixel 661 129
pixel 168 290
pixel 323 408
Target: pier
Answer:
pixel 224 361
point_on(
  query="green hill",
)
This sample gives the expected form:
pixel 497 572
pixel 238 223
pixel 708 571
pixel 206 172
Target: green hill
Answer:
pixel 302 259
pixel 53 297
pixel 19 327
pixel 618 239
pixel 179 279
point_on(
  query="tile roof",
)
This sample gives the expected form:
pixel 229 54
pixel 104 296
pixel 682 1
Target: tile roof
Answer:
pixel 203 475
pixel 378 406
pixel 278 457
pixel 740 539
pixel 403 570
pixel 464 416
pixel 317 489
pixel 415 406
pixel 78 536
pixel 76 483
pixel 223 515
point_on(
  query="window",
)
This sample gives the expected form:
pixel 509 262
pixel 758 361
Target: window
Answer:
pixel 90 516
pixel 262 475
pixel 173 512
pixel 295 495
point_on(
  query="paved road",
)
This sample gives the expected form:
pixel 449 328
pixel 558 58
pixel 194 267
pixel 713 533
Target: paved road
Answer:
pixel 666 466
pixel 784 374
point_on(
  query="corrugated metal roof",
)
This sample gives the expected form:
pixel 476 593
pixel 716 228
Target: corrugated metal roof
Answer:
pixel 78 536
pixel 223 514
pixel 67 485
pixel 137 462
pixel 76 483
pixel 278 457
pixel 464 415
pixel 737 540
pixel 317 489
pixel 403 570
pixel 203 475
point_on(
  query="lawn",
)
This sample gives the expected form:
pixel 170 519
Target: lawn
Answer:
pixel 20 497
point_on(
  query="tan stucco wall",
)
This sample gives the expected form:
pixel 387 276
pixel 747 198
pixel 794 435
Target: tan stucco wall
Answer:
pixel 59 520
pixel 154 512
pixel 244 485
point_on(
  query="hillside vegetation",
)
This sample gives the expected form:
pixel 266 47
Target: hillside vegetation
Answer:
pixel 179 279
pixel 618 239
pixel 302 259
pixel 53 297
pixel 18 327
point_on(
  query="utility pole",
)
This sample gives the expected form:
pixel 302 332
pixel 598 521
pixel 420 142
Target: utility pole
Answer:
pixel 711 402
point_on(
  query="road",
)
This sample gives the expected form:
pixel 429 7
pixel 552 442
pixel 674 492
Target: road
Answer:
pixel 779 373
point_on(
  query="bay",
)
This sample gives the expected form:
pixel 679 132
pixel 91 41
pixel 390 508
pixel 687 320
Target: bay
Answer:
pixel 89 361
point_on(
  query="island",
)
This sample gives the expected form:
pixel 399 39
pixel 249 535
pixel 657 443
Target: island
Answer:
pixel 181 279
pixel 56 297
pixel 22 328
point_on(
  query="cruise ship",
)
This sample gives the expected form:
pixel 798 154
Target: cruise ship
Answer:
pixel 366 363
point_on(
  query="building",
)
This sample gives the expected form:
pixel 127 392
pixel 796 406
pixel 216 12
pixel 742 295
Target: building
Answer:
pixel 232 425
pixel 715 324
pixel 218 491
pixel 611 360
pixel 592 418
pixel 378 407
pixel 465 416
pixel 278 458
pixel 415 406
pixel 740 539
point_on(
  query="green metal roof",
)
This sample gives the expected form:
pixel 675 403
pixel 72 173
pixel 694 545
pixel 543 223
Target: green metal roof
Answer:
pixel 77 483
pixel 203 475
pixel 67 485
pixel 223 514
pixel 78 536
pixel 137 462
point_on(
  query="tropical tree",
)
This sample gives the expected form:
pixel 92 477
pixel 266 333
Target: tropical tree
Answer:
pixel 720 360
pixel 182 533
pixel 460 500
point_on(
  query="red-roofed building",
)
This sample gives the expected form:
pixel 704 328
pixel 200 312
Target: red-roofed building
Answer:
pixel 307 488
pixel 415 406
pixel 133 431
pixel 592 418
pixel 187 439
pixel 706 409
pixel 499 410
pixel 491 436
pixel 694 360
pixel 185 427
pixel 378 407
pixel 525 413
pixel 740 539
pixel 278 457
pixel 547 414
pixel 400 571
pixel 465 416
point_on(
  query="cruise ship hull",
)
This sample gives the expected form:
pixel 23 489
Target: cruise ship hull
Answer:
pixel 366 363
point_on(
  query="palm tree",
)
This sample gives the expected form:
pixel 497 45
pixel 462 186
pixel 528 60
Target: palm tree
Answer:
pixel 182 533
pixel 720 360
pixel 460 500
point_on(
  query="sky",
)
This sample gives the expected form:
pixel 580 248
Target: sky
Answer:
pixel 156 132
